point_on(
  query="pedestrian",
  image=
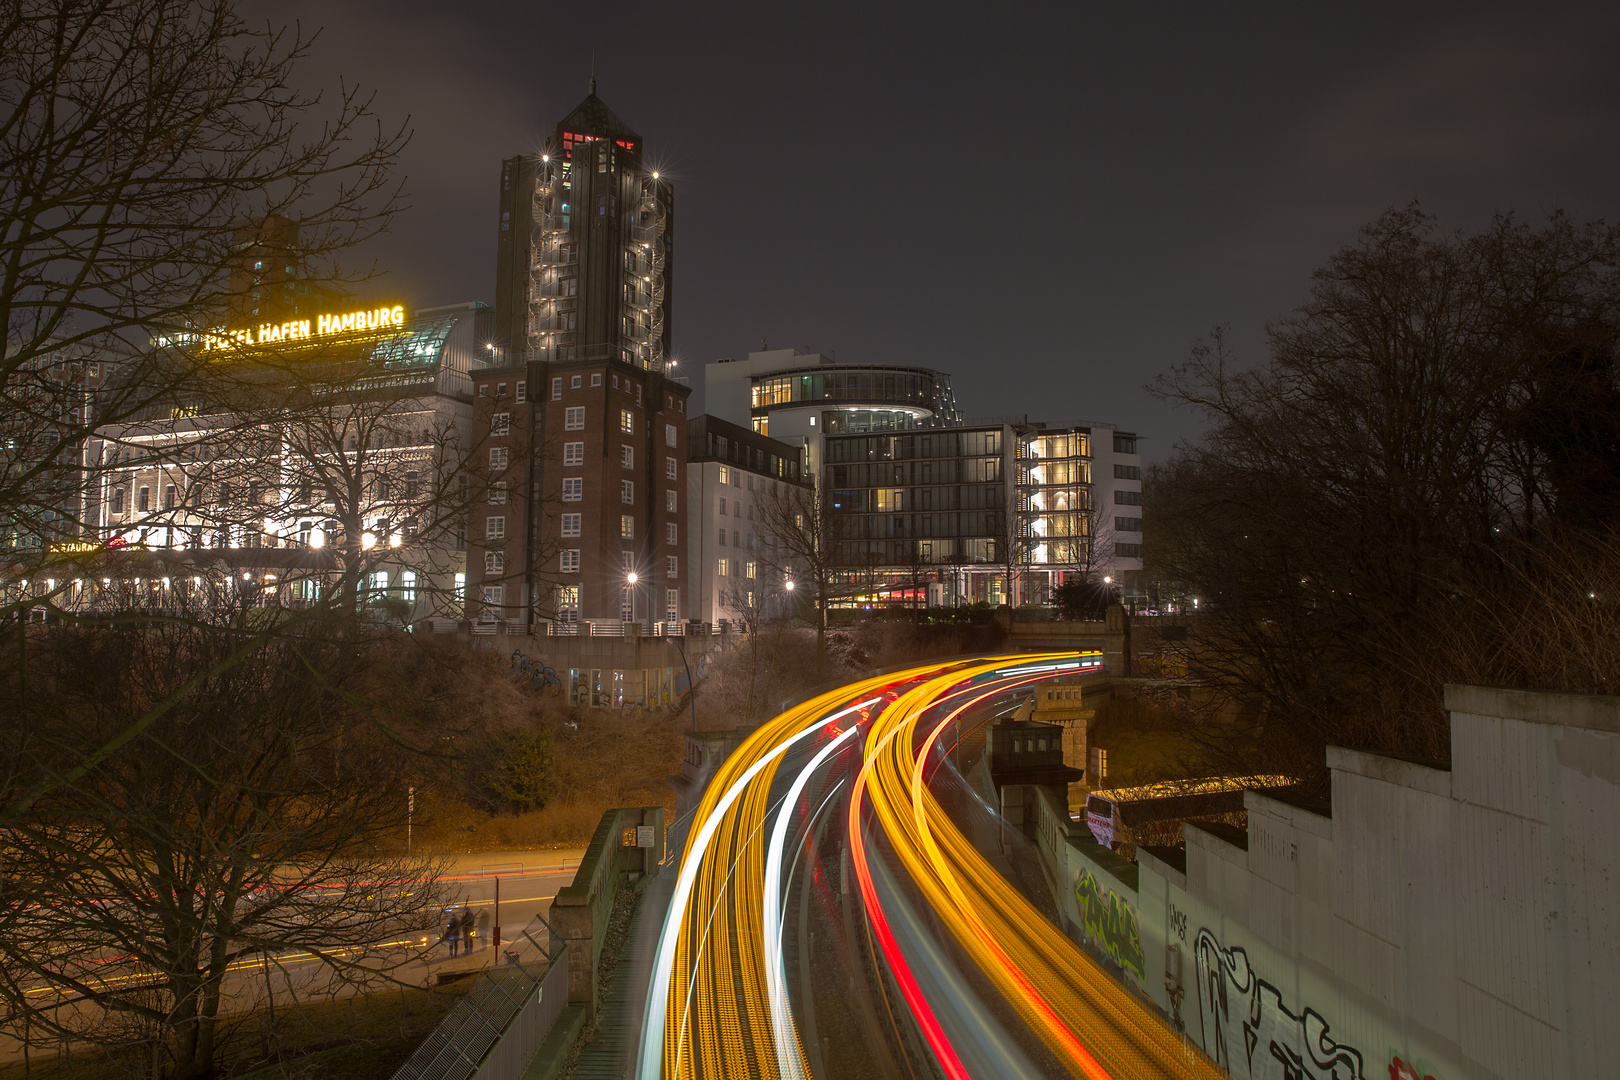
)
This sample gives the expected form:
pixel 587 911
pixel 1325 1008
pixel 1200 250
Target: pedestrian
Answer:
pixel 466 929
pixel 452 933
pixel 483 929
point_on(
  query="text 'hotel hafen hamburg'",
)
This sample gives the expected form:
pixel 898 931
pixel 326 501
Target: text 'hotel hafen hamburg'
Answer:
pixel 336 449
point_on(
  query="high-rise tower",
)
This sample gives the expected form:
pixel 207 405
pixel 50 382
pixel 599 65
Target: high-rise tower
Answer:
pixel 582 515
pixel 585 250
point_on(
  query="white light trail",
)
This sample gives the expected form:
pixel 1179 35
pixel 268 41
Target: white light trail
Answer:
pixel 788 1060
pixel 652 1031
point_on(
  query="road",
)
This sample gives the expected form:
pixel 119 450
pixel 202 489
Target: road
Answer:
pixel 831 918
pixel 528 881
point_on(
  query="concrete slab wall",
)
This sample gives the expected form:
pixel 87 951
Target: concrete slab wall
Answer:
pixel 1441 921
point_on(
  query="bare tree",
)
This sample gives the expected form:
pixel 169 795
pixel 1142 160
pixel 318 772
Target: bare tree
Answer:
pixel 260 815
pixel 756 599
pixel 1438 400
pixel 807 543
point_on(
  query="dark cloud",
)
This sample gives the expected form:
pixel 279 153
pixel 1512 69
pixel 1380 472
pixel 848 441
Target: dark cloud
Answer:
pixel 1049 201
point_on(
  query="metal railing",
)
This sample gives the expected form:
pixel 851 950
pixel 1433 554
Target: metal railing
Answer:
pixel 493 1032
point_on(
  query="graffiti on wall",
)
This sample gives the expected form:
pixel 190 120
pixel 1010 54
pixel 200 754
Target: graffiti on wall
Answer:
pixel 539 675
pixel 1407 1070
pixel 1110 922
pixel 1250 1032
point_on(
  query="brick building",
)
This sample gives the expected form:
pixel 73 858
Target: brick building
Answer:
pixel 583 486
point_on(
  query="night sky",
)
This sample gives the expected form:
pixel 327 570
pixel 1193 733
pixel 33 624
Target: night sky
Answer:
pixel 1050 202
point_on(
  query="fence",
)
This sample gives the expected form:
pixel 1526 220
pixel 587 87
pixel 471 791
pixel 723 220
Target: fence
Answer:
pixel 496 1028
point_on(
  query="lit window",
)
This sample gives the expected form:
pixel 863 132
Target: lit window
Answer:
pixel 751 569
pixel 669 500
pixel 725 476
pixel 672 567
pixel 500 424
pixel 574 418
pixel 570 561
pixel 627 421
pixel 670 469
pixel 494 562
pixel 627 527
pixel 497 458
pixel 574 453
pixel 721 567
pixel 627 456
pixel 494 528
pixel 627 491
pixel 573 488
pixel 570 524
pixel 497 493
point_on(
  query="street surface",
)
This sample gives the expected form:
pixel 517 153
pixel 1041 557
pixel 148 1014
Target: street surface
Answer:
pixel 841 909
pixel 528 881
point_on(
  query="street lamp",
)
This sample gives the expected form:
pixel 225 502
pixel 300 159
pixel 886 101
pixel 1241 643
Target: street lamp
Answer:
pixel 368 541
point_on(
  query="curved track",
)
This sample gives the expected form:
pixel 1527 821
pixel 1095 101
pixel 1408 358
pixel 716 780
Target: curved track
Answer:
pixel 929 962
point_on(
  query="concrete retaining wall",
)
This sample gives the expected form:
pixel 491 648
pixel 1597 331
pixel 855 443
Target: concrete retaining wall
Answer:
pixel 1435 920
pixel 581 909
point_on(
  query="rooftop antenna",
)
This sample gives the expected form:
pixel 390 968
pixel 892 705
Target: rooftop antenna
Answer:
pixel 593 71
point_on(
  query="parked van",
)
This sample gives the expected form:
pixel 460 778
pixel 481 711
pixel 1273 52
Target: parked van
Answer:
pixel 1123 818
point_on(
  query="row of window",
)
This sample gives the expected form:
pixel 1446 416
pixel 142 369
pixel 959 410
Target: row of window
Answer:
pixel 495 526
pixel 520 393
pixel 737 568
pixel 568 563
pixel 1125 524
pixel 574 491
pixel 572 525
pixel 568 603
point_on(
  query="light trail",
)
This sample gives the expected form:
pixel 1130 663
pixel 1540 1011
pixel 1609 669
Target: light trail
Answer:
pixel 719 1003
pixel 759 752
pixel 789 1059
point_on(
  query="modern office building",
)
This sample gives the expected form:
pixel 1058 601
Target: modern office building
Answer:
pixel 801 397
pixel 930 516
pixel 933 510
pixel 1081 502
pixel 586 472
pixel 585 248
pixel 733 474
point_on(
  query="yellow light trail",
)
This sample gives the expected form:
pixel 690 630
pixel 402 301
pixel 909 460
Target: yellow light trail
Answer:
pixel 709 1009
pixel 1090 1022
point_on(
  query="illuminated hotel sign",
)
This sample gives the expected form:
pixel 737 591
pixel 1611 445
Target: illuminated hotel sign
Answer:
pixel 297 330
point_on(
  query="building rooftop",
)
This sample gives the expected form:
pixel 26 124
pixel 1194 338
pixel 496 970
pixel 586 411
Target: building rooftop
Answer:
pixel 593 117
